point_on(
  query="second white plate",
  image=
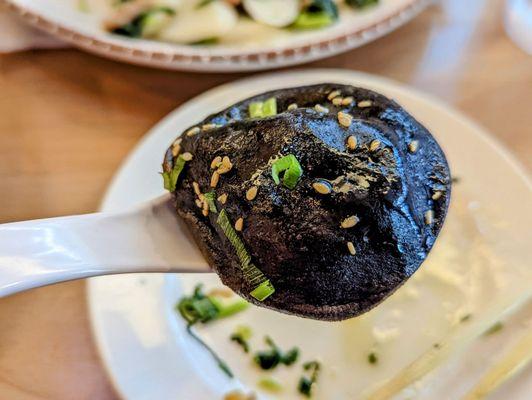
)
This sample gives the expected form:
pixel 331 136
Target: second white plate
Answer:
pixel 471 271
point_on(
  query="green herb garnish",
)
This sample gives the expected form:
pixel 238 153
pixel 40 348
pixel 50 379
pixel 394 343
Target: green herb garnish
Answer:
pixel 361 3
pixel 205 42
pixel 171 177
pixel 306 383
pixel 318 14
pixel 200 308
pixel 210 197
pixel 291 168
pixel 271 358
pixel 253 276
pixel 269 384
pixel 496 327
pixel 147 23
pixel 261 109
pixel 241 336
pixel 373 358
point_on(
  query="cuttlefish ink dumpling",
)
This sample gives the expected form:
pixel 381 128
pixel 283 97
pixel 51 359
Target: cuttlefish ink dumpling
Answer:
pixel 318 201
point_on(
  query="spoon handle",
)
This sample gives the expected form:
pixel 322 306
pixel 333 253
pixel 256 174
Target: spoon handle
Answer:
pixel 46 251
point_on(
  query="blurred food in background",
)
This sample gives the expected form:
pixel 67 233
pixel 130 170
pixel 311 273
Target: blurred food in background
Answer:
pixel 208 22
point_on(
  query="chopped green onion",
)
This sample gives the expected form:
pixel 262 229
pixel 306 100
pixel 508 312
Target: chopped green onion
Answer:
pixel 170 178
pixel 308 20
pixel 373 358
pixel 306 383
pixel 261 109
pixel 291 168
pixel 361 3
pixel 241 336
pixel 263 291
pixel 211 196
pixel 494 328
pixel 271 358
pixel 146 23
pixel 205 42
pixel 232 308
pixel 252 274
pixel 269 384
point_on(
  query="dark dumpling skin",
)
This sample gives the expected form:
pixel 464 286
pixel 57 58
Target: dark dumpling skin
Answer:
pixel 395 184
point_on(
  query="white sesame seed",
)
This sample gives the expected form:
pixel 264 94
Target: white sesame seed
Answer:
pixel 333 94
pixel 321 109
pixel 216 161
pixel 177 141
pixel 252 193
pixel 187 156
pixel 347 101
pixel 351 248
pixel 215 178
pixel 345 119
pixel 351 142
pixel 374 145
pixel 365 103
pixel 192 131
pixel 349 222
pixel 199 203
pixel 208 127
pixel 337 101
pixel 413 146
pixel 436 195
pixel 205 212
pixel 196 188
pixel 429 217
pixel 222 198
pixel 176 149
pixel 292 106
pixel 322 187
pixel 239 224
pixel 226 166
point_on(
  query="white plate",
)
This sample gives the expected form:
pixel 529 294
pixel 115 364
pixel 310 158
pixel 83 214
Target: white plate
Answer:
pixel 62 19
pixel 149 355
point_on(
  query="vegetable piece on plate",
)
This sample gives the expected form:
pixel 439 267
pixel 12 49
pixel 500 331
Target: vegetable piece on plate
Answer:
pixel 317 14
pixel 278 13
pixel 322 208
pixel 206 22
pixel 361 3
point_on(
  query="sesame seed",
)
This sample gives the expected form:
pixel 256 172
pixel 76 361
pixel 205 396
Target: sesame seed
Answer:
pixel 222 198
pixel 337 101
pixel 345 119
pixel 226 166
pixel 215 178
pixel 351 248
pixel 199 203
pixel 333 94
pixel 205 212
pixel 216 162
pixel 321 109
pixel 239 224
pixel 351 142
pixel 205 208
pixel 292 106
pixel 196 188
pixel 208 127
pixel 177 141
pixel 349 222
pixel 192 131
pixel 436 195
pixel 252 193
pixel 365 103
pixel 176 149
pixel 347 101
pixel 322 187
pixel 413 146
pixel 429 217
pixel 374 145
pixel 187 156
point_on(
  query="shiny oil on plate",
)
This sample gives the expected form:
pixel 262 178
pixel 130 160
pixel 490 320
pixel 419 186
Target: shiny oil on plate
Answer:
pixel 477 272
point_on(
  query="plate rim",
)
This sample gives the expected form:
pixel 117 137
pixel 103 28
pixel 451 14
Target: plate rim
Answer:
pixel 188 58
pixel 481 133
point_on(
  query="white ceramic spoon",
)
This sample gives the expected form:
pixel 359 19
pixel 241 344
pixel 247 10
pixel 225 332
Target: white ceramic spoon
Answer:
pixel 149 238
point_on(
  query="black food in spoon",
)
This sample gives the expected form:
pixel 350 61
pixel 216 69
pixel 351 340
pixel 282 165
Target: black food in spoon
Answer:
pixel 318 201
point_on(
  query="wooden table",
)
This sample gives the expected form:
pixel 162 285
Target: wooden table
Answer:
pixel 67 119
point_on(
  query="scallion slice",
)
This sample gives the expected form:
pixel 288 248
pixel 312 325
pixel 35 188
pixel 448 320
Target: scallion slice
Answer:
pixel 291 168
pixel 261 109
pixel 210 196
pixel 170 178
pixel 263 291
pixel 252 274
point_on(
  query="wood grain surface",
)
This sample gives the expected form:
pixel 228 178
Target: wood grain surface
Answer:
pixel 67 120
